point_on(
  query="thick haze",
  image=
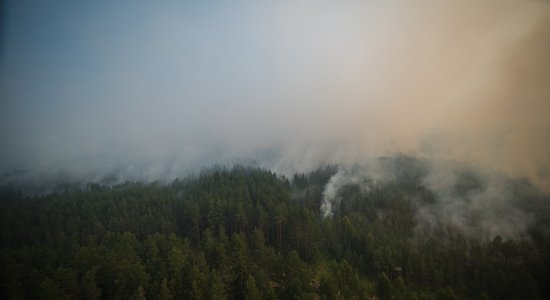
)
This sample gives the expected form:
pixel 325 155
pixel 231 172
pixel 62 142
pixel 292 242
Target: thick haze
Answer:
pixel 156 89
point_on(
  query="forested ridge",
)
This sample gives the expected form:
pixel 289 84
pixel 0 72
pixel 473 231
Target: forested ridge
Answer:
pixel 248 233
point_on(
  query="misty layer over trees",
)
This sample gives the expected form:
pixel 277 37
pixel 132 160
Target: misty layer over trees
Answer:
pixel 151 90
pixel 398 228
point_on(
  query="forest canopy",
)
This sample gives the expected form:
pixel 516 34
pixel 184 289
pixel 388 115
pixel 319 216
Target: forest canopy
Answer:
pixel 248 233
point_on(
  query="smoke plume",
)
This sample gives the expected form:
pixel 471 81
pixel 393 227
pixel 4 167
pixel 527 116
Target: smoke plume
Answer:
pixel 331 199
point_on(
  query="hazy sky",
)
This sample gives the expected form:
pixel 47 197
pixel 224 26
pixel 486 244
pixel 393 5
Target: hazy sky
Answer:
pixel 151 89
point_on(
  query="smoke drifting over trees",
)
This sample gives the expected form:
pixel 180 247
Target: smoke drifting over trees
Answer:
pixel 481 204
pixel 154 91
pixel 390 149
pixel 248 233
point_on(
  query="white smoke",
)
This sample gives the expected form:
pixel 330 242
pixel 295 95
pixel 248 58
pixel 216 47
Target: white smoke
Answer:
pixel 331 198
pixel 483 208
pixel 481 204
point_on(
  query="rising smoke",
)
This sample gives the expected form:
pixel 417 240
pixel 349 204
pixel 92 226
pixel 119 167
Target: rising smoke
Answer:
pixel 481 204
pixel 331 198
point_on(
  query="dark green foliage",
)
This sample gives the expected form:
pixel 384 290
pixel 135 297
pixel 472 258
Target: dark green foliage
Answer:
pixel 383 287
pixel 446 294
pixel 252 292
pixel 89 287
pixel 250 234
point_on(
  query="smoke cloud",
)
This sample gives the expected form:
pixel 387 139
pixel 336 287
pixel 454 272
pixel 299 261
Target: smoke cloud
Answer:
pixel 155 91
pixel 481 204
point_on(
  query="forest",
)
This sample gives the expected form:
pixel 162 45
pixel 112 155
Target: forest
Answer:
pixel 248 233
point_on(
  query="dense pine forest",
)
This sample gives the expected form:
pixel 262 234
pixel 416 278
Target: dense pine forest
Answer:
pixel 248 233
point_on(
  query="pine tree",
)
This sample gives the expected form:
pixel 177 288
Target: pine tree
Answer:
pixel 252 292
pixel 383 287
pixel 164 292
pixel 90 290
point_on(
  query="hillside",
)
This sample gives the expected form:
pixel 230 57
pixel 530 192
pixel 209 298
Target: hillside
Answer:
pixel 247 233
